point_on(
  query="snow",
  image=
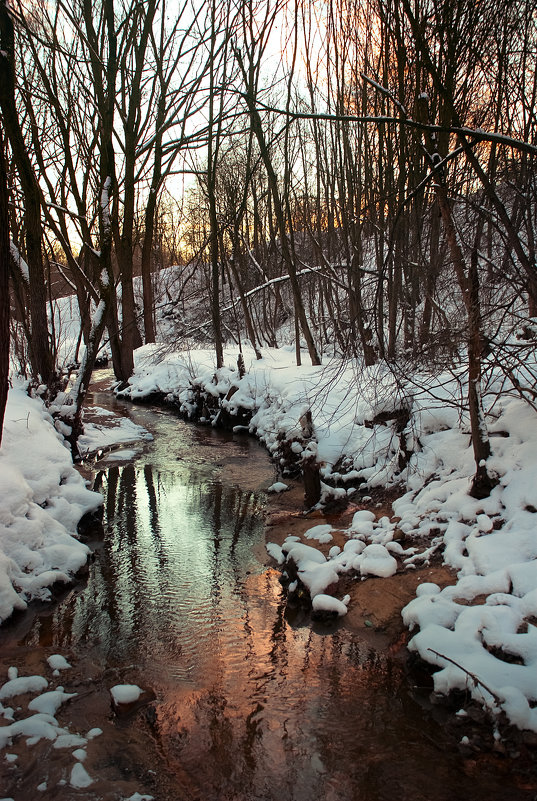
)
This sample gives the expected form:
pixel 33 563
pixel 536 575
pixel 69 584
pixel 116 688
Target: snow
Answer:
pixel 320 533
pixel 376 560
pixel 327 603
pixel 42 498
pixel 80 778
pixel 105 212
pixel 34 728
pixel 278 486
pixel 22 685
pixel 69 741
pixel 125 693
pixel 275 551
pixel 37 719
pixel 58 662
pixel 19 261
pixel 118 430
pixel 50 702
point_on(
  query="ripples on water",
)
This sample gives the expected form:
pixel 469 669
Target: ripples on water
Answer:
pixel 170 581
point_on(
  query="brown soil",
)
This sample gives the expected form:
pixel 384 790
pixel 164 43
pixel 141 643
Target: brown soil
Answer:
pixel 376 603
pixel 123 760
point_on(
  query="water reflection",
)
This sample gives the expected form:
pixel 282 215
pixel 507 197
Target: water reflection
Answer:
pixel 277 712
pixel 170 577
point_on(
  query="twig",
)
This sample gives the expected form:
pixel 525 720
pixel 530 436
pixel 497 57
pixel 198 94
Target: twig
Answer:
pixel 474 678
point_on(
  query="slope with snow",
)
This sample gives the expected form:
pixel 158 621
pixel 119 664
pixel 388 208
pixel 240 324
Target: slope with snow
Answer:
pixel 42 499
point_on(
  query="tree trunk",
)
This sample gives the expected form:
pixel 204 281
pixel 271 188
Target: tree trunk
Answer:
pixel 431 275
pixel 212 161
pixel 238 258
pixel 257 128
pixel 483 482
pixel 40 351
pixel 4 285
pixel 284 243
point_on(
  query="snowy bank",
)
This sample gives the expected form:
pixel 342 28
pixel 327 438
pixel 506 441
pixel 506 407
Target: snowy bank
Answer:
pixel 42 499
pixel 369 429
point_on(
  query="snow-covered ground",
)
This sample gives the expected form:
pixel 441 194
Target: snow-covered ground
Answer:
pixel 481 633
pixel 43 498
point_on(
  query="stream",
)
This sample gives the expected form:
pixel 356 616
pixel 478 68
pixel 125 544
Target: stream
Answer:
pixel 241 702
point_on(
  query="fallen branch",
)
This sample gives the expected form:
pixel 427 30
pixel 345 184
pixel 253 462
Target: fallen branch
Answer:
pixel 476 680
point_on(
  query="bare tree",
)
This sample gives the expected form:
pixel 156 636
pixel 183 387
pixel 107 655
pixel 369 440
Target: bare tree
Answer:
pixel 4 285
pixel 256 28
pixel 39 345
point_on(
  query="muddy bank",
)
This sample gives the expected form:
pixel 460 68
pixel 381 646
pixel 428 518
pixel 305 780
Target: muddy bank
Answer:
pixel 123 758
pixel 374 616
pixel 374 610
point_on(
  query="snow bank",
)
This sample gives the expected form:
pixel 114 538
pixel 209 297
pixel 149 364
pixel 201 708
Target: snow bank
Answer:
pixel 80 778
pixel 50 702
pixel 41 723
pixel 370 429
pixel 58 662
pixel 21 685
pixel 114 430
pixel 327 603
pixel 42 498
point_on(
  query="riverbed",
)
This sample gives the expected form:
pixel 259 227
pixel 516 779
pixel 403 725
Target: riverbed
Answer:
pixel 242 698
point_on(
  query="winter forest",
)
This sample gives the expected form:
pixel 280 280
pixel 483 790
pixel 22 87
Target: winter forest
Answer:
pixel 347 188
pixel 362 174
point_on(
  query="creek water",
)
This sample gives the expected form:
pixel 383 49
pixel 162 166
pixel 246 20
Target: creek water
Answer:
pixel 247 705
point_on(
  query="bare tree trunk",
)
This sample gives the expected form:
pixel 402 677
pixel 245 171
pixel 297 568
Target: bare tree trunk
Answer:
pixel 147 276
pixel 483 482
pixel 431 274
pixel 130 334
pixel 280 218
pixel 39 345
pixel 238 259
pixel 212 161
pixel 149 227
pixel 4 285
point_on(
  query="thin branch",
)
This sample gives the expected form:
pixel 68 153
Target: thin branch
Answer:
pixel 477 135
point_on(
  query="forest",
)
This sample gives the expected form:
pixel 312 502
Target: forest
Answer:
pixel 354 177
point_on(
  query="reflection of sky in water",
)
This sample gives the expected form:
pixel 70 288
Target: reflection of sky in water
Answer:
pixel 249 706
pixel 177 550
